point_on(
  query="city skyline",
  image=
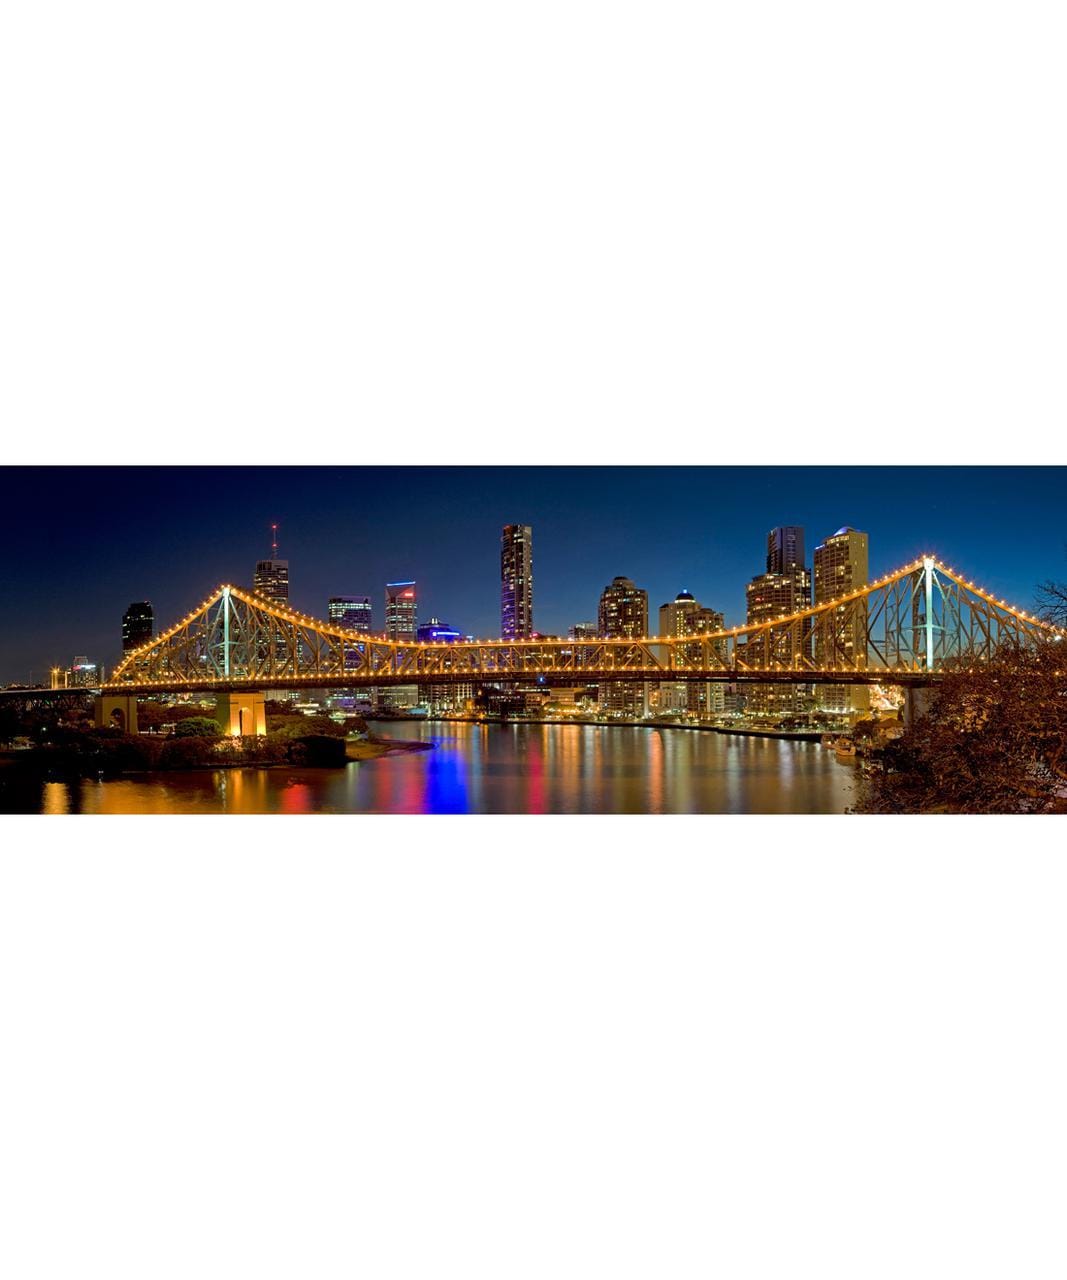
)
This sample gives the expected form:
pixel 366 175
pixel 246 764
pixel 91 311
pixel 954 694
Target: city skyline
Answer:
pixel 592 525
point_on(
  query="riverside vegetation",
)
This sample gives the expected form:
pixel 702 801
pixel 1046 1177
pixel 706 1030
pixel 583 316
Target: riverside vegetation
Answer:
pixel 193 741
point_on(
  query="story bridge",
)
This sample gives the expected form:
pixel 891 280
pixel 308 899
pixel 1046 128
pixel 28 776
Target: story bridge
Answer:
pixel 907 628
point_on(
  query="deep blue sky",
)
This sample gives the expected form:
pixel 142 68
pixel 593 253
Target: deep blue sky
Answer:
pixel 83 542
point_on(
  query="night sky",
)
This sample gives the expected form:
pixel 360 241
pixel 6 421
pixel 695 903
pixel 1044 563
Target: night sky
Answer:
pixel 84 542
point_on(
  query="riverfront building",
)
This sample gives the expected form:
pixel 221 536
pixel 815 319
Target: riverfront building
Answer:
pixel 623 613
pixel 784 588
pixel 686 616
pixel 841 567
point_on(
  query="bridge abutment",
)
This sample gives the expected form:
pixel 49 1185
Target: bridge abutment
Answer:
pixel 241 715
pixel 116 711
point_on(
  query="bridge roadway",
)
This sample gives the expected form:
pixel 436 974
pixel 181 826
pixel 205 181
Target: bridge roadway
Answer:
pixel 551 679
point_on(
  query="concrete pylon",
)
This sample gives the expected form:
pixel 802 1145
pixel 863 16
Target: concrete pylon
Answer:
pixel 241 715
pixel 917 701
pixel 116 711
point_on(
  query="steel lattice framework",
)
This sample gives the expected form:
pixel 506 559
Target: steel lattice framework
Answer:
pixel 907 628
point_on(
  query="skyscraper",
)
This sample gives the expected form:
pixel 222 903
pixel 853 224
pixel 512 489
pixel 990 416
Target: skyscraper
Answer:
pixel 623 613
pixel 137 625
pixel 271 579
pixel 516 582
pixel 401 610
pixel 352 612
pixel 785 549
pixel 841 567
pixel 785 588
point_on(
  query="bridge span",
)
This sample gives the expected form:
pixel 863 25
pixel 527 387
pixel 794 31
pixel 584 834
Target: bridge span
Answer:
pixel 907 628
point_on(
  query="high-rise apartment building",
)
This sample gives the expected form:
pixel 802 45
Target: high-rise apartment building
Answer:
pixel 516 582
pixel 841 567
pixel 785 588
pixel 137 625
pixel 623 613
pixel 686 616
pixel 351 612
pixel 583 631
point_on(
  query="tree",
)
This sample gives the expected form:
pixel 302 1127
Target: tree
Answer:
pixel 196 727
pixel 1052 602
pixel 993 741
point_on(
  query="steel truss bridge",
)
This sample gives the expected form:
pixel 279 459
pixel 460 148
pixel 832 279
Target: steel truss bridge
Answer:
pixel 907 628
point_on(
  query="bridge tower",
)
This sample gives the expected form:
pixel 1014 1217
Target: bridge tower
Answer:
pixel 116 711
pixel 241 715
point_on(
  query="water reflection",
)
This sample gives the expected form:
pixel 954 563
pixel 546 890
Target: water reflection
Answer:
pixel 491 769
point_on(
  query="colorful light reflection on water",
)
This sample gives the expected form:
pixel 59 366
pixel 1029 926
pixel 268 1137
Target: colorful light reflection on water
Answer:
pixel 477 768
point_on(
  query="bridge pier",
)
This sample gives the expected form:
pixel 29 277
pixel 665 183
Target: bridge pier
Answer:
pixel 917 702
pixel 116 711
pixel 241 714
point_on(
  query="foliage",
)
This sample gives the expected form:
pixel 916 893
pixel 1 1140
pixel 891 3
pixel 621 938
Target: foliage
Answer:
pixel 152 715
pixel 196 727
pixel 1052 602
pixel 188 752
pixel 993 741
pixel 301 726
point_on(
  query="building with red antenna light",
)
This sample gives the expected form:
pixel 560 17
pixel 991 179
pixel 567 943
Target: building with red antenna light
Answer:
pixel 271 580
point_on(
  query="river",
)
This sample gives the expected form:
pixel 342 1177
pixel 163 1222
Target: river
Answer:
pixel 495 768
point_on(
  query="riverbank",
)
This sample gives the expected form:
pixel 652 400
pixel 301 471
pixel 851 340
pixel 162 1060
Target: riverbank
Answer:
pixel 373 748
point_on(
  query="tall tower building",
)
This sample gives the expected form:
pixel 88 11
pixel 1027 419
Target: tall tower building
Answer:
pixel 784 588
pixel 401 623
pixel 401 610
pixel 841 567
pixel 516 582
pixel 271 580
pixel 137 625
pixel 623 613
pixel 785 549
